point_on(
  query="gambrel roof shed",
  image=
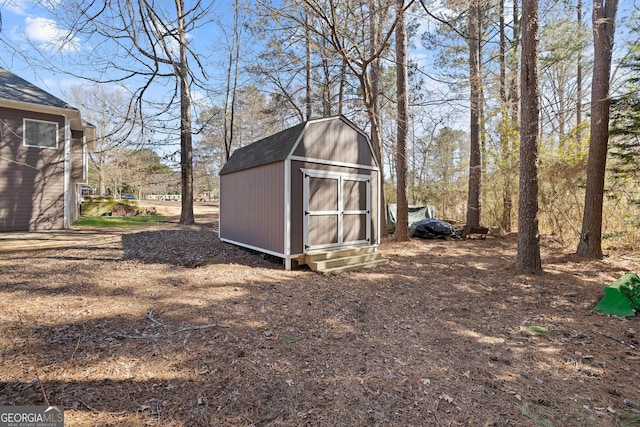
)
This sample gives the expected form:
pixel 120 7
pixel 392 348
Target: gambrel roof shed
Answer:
pixel 312 186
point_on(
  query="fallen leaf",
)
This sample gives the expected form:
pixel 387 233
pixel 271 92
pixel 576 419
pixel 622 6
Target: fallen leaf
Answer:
pixel 446 398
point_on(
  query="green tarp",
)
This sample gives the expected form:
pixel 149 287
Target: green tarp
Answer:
pixel 622 297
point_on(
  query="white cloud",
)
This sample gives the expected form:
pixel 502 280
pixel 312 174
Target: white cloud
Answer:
pixel 25 7
pixel 41 29
pixel 19 7
pixel 46 33
pixel 168 33
pixel 64 86
pixel 201 100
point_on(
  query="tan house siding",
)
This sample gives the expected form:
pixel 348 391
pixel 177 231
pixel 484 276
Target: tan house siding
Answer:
pixel 38 185
pixel 77 157
pixel 31 178
pixel 257 216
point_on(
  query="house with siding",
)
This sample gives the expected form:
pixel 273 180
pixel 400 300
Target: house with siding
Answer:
pixel 307 193
pixel 44 145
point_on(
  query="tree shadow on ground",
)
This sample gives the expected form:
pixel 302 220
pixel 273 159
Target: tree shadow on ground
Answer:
pixel 194 247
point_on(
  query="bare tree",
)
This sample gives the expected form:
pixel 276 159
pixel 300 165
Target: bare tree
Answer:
pixel 604 25
pixel 579 81
pixel 475 83
pixel 528 258
pixel 232 82
pixel 140 43
pixel 105 107
pixel 374 69
pixel 402 226
pixel 186 144
pixel 505 223
pixel 340 26
pixel 307 66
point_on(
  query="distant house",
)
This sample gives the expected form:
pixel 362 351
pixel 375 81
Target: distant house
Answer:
pixel 43 157
pixel 315 186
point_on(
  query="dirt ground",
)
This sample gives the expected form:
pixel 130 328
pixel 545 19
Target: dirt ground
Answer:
pixel 168 326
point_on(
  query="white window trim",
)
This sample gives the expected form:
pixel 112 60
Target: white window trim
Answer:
pixel 24 133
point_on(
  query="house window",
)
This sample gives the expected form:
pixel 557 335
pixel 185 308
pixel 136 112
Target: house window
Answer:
pixel 38 133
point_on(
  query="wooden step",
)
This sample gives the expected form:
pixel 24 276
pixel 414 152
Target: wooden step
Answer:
pixel 346 251
pixel 348 258
pixel 367 264
pixel 342 261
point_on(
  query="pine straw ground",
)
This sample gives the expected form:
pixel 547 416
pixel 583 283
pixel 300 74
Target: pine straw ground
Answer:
pixel 170 327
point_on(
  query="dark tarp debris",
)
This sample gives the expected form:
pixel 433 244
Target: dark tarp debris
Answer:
pixel 430 228
pixel 416 213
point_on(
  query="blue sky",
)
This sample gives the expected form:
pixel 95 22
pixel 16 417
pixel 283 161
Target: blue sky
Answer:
pixel 18 15
pixel 21 20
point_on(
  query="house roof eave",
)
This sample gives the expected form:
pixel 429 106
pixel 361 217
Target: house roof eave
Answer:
pixel 73 114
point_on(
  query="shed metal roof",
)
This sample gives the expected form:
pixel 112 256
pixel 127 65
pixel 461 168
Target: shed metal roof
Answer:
pixel 15 88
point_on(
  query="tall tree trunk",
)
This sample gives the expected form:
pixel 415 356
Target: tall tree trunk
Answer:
pixel 343 80
pixel 307 45
pixel 561 116
pixel 375 64
pixel 475 159
pixel 509 112
pixel 186 149
pixel 102 188
pixel 579 83
pixel 327 98
pixel 604 21
pixel 513 102
pixel 402 217
pixel 232 85
pixel 234 91
pixel 227 139
pixel 374 110
pixel 507 197
pixel 528 258
pixel 377 146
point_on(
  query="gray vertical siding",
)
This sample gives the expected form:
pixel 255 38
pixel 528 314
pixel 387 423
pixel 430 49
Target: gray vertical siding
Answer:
pixel 77 158
pixel 297 214
pixel 355 195
pixel 31 178
pixel 78 161
pixel 323 230
pixel 355 228
pixel 252 207
pixel 323 194
pixel 335 140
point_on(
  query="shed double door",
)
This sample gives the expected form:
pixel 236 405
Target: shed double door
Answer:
pixel 337 209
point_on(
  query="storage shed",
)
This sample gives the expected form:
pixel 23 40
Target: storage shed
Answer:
pixel 311 187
